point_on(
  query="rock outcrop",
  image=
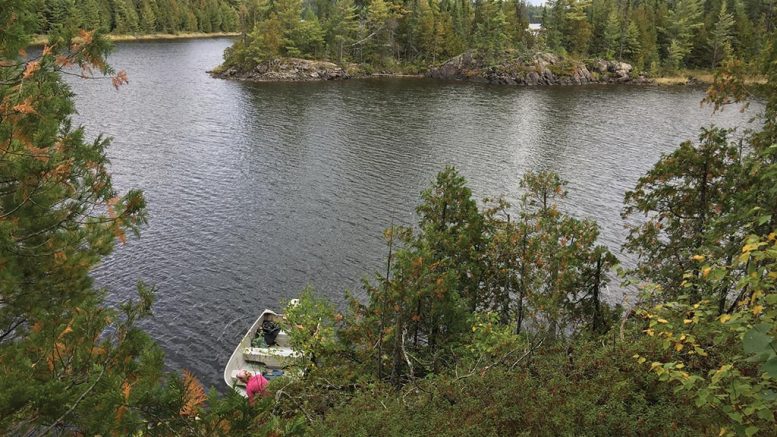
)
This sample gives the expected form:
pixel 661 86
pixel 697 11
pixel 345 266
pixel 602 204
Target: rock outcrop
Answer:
pixel 540 69
pixel 287 69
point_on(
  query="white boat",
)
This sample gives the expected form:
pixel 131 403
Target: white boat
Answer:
pixel 259 359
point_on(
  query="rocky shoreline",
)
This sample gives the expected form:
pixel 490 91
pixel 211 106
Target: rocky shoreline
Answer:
pixel 287 70
pixel 537 70
pixel 540 69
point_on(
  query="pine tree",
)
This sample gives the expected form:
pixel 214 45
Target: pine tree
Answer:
pixel 147 16
pixel 125 17
pixel 341 27
pixel 67 357
pixel 720 37
pixel 490 37
pixel 682 22
pixel 612 33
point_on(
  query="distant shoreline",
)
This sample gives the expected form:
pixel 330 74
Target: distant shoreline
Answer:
pixel 40 40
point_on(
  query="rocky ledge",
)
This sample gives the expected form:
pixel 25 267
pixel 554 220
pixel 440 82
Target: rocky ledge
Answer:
pixel 287 69
pixel 540 69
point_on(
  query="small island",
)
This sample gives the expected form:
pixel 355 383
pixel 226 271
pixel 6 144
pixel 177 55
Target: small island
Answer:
pixel 509 43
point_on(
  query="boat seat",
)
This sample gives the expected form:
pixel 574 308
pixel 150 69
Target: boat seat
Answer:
pixel 271 356
pixel 270 375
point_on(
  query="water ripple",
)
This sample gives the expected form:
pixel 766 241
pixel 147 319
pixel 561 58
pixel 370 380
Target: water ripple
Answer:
pixel 256 190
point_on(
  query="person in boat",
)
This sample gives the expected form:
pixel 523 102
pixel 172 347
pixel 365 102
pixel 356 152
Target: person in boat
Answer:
pixel 255 384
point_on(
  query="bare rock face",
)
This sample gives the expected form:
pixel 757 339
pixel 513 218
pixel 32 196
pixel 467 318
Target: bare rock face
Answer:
pixel 540 69
pixel 288 70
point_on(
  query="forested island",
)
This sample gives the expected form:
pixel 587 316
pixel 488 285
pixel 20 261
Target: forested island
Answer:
pixel 488 318
pixel 655 38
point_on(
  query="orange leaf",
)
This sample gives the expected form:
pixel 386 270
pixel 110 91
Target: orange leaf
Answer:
pixel 120 413
pixel 193 396
pixel 30 69
pixel 25 107
pixel 119 232
pixel 68 329
pixel 86 36
pixel 46 50
pixel 62 60
pixel 120 79
pixel 126 389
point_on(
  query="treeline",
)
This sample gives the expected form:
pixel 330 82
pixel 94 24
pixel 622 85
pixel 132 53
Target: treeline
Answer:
pixel 138 16
pixel 652 35
pixel 656 34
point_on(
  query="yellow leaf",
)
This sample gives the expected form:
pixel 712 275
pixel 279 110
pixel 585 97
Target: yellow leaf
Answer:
pixel 758 309
pixel 698 258
pixel 678 347
pixel 680 366
pixel 663 321
pixel 749 247
pixel 725 318
pixel 687 321
pixel 705 271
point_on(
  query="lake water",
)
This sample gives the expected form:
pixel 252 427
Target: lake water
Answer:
pixel 256 190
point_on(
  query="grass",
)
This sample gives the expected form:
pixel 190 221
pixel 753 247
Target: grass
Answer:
pixel 705 77
pixel 40 40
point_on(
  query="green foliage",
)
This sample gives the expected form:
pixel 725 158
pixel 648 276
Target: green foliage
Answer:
pixel 595 389
pixel 720 36
pixel 141 16
pixel 682 22
pixel 386 34
pixel 310 324
pixel 722 353
pixel 682 198
pixel 726 362
pixel 69 364
pixel 477 312
pixel 490 25
pixel 65 358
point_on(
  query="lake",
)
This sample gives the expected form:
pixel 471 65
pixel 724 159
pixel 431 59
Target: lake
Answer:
pixel 256 190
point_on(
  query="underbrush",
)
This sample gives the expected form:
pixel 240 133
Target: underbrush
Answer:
pixel 581 388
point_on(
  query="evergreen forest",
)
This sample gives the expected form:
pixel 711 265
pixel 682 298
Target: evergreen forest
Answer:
pixel 137 16
pixel 655 36
pixel 488 318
